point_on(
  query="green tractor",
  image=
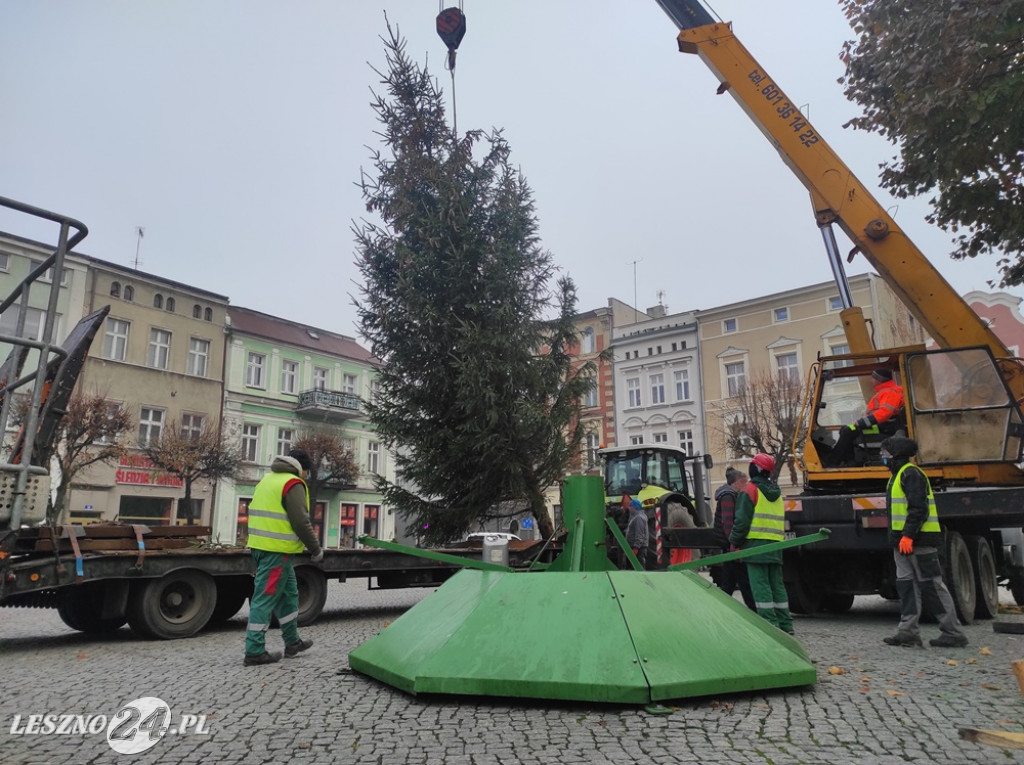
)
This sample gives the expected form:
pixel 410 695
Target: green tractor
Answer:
pixel 663 478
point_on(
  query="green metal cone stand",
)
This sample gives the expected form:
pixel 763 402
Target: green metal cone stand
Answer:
pixel 582 630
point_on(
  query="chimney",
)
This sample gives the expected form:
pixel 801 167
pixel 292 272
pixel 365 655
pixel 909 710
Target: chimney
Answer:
pixel 656 312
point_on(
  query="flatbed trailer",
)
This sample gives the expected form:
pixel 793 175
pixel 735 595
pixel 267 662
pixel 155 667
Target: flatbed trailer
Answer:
pixel 168 582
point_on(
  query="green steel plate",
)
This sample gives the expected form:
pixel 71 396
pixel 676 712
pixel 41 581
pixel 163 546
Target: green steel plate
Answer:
pixel 541 635
pixel 694 640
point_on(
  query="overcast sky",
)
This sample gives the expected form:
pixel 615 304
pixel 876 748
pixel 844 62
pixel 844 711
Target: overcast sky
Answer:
pixel 234 131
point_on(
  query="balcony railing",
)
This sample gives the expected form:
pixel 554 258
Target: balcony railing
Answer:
pixel 333 404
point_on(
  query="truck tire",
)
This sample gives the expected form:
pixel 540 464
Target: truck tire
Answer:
pixel 986 580
pixel 177 605
pixel 804 597
pixel 80 606
pixel 837 602
pixel 312 593
pixel 231 596
pixel 959 576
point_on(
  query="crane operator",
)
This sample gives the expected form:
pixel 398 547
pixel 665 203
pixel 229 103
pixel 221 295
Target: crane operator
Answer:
pixel 881 417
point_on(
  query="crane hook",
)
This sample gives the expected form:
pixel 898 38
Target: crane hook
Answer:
pixel 451 28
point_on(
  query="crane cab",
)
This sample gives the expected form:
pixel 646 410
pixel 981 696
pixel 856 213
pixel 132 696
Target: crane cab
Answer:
pixel 957 406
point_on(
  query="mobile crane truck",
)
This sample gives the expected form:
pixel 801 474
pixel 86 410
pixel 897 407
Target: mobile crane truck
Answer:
pixel 962 400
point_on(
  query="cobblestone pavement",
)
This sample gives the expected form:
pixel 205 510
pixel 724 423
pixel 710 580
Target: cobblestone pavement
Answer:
pixel 871 704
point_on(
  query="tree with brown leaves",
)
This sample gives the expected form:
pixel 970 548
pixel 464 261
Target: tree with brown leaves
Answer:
pixel 765 417
pixel 93 431
pixel 193 455
pixel 334 466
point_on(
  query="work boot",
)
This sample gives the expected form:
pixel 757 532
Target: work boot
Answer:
pixel 948 641
pixel 904 639
pixel 294 649
pixel 261 658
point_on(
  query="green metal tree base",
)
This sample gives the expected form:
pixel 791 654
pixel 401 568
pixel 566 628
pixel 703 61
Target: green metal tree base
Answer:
pixel 605 636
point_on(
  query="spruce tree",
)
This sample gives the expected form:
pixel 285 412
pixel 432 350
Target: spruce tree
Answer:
pixel 467 313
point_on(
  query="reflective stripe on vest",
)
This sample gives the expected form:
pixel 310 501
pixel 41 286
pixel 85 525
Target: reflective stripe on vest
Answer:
pixel 769 521
pixel 269 528
pixel 898 503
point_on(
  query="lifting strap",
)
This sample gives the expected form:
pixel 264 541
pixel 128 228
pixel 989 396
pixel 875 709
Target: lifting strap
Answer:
pixel 79 569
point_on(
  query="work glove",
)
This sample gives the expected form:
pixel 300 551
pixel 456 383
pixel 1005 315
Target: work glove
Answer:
pixel 317 557
pixel 906 545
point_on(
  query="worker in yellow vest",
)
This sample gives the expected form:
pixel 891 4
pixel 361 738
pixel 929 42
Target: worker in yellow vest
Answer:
pixel 279 528
pixel 759 519
pixel 915 534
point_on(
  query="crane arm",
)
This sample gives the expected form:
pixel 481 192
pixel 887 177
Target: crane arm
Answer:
pixel 836 194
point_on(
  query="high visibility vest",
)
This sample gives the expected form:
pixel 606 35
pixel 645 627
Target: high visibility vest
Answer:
pixel 898 503
pixel 769 521
pixel 269 528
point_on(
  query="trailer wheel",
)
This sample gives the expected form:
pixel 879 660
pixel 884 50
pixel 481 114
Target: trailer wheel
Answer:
pixel 231 596
pixel 985 578
pixel 959 576
pixel 312 593
pixel 177 605
pixel 80 607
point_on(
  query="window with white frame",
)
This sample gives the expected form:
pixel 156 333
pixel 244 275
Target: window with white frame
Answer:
pixel 115 339
pixel 348 383
pixel 374 388
pixel 636 440
pixel 780 314
pixel 48 276
pixel 590 397
pixel 839 349
pixel 661 438
pixel 159 348
pixel 658 389
pixel 373 458
pixel 285 439
pixel 835 303
pixel 34 321
pixel 685 440
pixel 250 442
pixel 320 378
pixel 349 445
pixel 4 261
pixel 255 370
pixel 788 367
pixel 633 388
pixel 151 423
pixel 742 444
pixel 289 376
pixel 587 341
pixel 111 411
pixel 191 426
pixel 682 384
pixel 735 377
pixel 729 325
pixel 593 443
pixel 198 356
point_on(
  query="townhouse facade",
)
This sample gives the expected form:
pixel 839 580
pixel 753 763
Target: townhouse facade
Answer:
pixel 596 330
pixel 159 355
pixel 285 381
pixel 658 397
